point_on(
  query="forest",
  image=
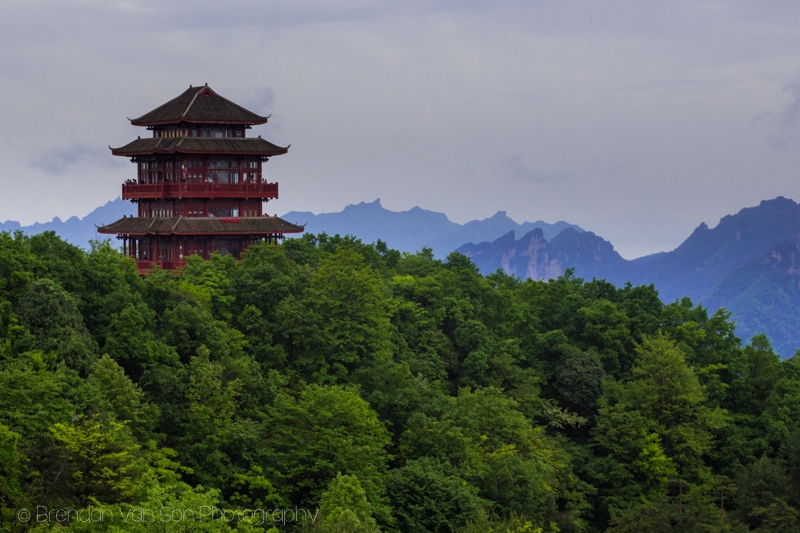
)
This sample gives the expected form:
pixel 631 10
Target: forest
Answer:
pixel 327 385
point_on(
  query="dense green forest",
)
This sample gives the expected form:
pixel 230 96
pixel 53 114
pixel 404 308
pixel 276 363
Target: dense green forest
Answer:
pixel 332 386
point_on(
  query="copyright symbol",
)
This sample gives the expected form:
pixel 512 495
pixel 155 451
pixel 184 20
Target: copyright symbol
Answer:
pixel 23 515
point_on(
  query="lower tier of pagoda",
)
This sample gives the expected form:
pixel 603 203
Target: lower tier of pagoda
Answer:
pixel 165 242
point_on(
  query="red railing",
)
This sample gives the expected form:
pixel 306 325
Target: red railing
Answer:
pixel 147 265
pixel 136 191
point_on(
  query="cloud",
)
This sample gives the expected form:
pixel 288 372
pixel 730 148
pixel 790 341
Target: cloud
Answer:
pixel 256 99
pixel 514 169
pixel 59 160
pixel 785 128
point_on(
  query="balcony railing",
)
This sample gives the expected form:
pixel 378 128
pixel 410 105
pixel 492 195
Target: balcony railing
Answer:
pixel 146 265
pixel 177 191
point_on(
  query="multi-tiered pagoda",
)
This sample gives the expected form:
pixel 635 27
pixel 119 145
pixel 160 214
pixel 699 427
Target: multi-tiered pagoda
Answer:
pixel 199 185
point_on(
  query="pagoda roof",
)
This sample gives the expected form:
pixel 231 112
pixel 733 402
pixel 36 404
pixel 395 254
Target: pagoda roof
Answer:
pixel 199 145
pixel 201 226
pixel 199 105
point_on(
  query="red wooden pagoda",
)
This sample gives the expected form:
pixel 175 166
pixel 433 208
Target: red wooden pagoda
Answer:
pixel 199 185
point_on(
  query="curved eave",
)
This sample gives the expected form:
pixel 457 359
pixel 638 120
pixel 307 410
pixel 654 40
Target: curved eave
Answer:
pixel 199 146
pixel 118 152
pixel 135 122
pixel 200 233
pixel 206 226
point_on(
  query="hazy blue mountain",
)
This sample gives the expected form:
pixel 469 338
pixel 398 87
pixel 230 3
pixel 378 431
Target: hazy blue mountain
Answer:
pixel 536 257
pixel 747 264
pixel 408 231
pixel 700 263
pixel 764 297
pixel 412 230
pixel 78 231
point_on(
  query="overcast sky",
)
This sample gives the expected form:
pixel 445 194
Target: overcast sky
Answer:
pixel 634 119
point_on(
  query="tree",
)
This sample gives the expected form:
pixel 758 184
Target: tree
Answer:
pixel 344 508
pixel 17 264
pixel 428 494
pixel 104 463
pixel 761 499
pixel 114 397
pixel 130 340
pixel 51 315
pixel 577 381
pixel 653 428
pixel 326 430
pixel 208 443
pixel 484 436
pixel 187 326
pixel 339 322
pixel 10 475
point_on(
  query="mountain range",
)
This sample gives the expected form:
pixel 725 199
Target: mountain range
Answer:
pixel 408 231
pixel 78 231
pixel 417 228
pixel 748 263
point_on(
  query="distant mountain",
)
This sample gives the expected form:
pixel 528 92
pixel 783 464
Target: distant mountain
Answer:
pixel 534 257
pixel 764 297
pixel 748 264
pixel 412 230
pixel 78 231
pixel 407 231
pixel 700 263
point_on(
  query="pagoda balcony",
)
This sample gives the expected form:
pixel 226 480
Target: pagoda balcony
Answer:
pixel 144 266
pixel 179 191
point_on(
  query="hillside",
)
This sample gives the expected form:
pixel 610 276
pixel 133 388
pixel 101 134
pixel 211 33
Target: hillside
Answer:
pixel 717 266
pixel 327 385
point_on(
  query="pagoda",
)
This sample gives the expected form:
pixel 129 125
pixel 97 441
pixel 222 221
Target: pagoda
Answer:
pixel 199 185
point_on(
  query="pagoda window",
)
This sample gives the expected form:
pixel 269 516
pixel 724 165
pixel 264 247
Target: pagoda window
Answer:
pixel 217 132
pixel 219 171
pixel 221 212
pixel 228 247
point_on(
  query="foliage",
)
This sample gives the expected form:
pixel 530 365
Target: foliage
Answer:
pixel 377 391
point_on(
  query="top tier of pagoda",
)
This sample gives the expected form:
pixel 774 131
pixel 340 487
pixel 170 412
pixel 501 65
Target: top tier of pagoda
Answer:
pixel 199 121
